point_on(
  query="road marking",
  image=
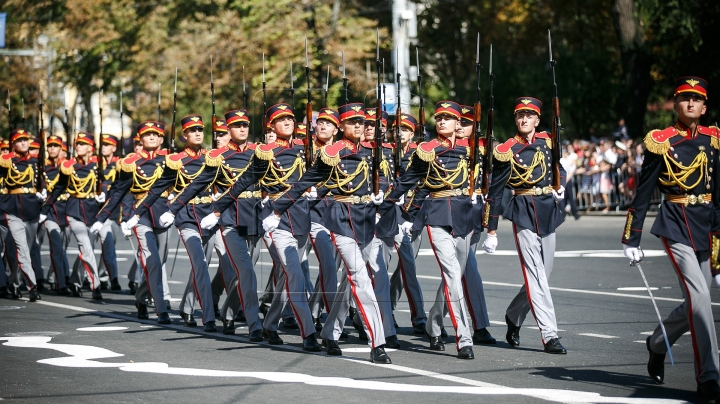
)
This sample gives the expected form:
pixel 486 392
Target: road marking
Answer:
pixel 533 326
pixel 101 328
pixel 589 334
pixel 84 356
pixel 11 307
pixel 563 254
pixel 635 289
pixel 365 350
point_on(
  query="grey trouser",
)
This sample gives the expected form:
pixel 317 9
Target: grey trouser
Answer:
pixel 35 257
pixel 58 259
pixel 536 259
pixel 108 259
pixel 695 313
pixel 474 292
pixel 86 256
pixel 451 253
pixel 241 260
pixel 271 287
pixel 290 285
pixel 377 264
pixel 227 276
pixel 198 288
pixel 357 286
pixel 405 277
pixel 24 234
pixel 4 271
pixel 329 261
pixel 153 248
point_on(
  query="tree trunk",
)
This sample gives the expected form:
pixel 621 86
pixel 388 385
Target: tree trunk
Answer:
pixel 636 62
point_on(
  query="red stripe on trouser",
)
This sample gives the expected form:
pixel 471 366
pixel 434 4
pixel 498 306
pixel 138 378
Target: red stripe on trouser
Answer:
pixel 52 260
pixel 353 291
pixel 145 270
pixel 287 290
pixel 410 299
pixel 322 278
pixel 192 271
pixel 696 353
pixel 527 284
pixel 446 291
pixel 17 257
pixel 467 300
pixel 235 268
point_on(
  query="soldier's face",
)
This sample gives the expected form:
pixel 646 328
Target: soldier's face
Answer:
pixel 526 122
pixel 369 131
pixel 83 149
pixel 193 136
pixel 446 125
pixel 466 130
pixel 270 137
pixel 138 147
pixel 239 131
pixel 690 106
pixel 53 151
pixel 406 135
pixel 150 141
pixel 325 131
pixel 108 150
pixel 353 129
pixel 223 139
pixel 21 146
pixel 283 126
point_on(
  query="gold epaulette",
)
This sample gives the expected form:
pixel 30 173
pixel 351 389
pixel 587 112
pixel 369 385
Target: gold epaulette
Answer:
pixel 714 141
pixel 658 141
pixel 174 161
pixel 326 158
pixel 67 167
pixel 6 160
pixel 426 151
pixel 263 154
pixel 128 163
pixel 548 142
pixel 503 152
pixel 214 158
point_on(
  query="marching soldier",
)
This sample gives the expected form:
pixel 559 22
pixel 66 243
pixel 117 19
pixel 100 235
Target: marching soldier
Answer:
pixel 345 169
pixel 137 174
pixel 78 178
pixel 56 222
pixel 21 205
pixel 441 166
pixel 108 266
pixel 127 210
pixel 523 164
pixel 682 161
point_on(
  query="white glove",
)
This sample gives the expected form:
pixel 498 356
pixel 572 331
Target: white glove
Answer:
pixel 127 232
pixel 209 221
pixel 42 195
pixel 171 196
pixel 166 219
pixel 559 195
pixel 406 228
pixel 132 222
pixel 42 218
pixel 312 194
pixel 633 253
pixel 216 196
pixel 264 201
pixel 717 280
pixel 378 199
pixel 490 243
pixel 401 201
pixel 96 227
pixel 270 223
pixel 100 198
pixel 473 198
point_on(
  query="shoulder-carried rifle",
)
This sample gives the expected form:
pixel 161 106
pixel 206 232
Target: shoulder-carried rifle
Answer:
pixel 327 82
pixel 264 108
pixel 158 106
pixel 477 117
pixel 556 126
pixel 308 112
pixel 100 157
pixel 212 98
pixel 489 136
pixel 421 112
pixel 68 134
pixel 245 94
pixel 122 127
pixel 40 179
pixel 292 98
pixel 172 127
pixel 398 143
pixel 344 78
pixel 377 157
pixel 9 115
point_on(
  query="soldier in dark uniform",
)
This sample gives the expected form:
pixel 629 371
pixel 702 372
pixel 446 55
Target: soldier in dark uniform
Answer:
pixel 682 161
pixel 21 205
pixel 441 166
pixel 523 164
pixel 108 265
pixel 78 177
pixel 137 174
pixel 127 210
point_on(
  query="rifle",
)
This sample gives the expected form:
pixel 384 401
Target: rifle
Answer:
pixel 421 113
pixel 172 128
pixel 245 94
pixel 9 116
pixel 398 143
pixel 292 97
pixel 24 124
pixel 100 157
pixel 122 128
pixel 212 97
pixel 158 102
pixel 378 120
pixel 68 133
pixel 40 174
pixel 344 78
pixel 264 115
pixel 477 117
pixel 556 126
pixel 489 135
pixel 308 111
pixel 327 82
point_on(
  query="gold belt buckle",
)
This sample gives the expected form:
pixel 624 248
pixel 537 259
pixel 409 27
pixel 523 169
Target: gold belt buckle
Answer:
pixel 537 191
pixel 356 199
pixel 692 199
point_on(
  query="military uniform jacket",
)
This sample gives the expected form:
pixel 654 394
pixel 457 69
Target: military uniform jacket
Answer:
pixel 680 165
pixel 110 174
pixel 223 167
pixel 345 169
pixel 57 210
pixel 319 206
pixel 277 166
pixel 18 173
pixel 181 169
pixel 519 165
pixel 137 174
pixel 441 167
pixel 79 180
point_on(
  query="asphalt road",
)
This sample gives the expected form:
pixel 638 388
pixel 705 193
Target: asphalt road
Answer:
pixel 99 352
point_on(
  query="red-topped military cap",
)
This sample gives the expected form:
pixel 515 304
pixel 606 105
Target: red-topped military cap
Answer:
pixel 236 116
pixel 86 138
pixel 192 121
pixel 691 84
pixel 451 108
pixel 5 144
pixel 35 144
pixel 279 110
pixel 110 139
pixel 371 115
pixel 63 147
pixel 221 127
pixel 354 110
pixel 408 121
pixel 528 104
pixel 19 134
pixel 301 129
pixel 329 115
pixel 151 126
pixel 468 114
pixel 54 140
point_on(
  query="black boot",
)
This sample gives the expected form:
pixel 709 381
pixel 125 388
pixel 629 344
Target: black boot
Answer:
pixel 708 390
pixel 133 287
pixel 64 291
pixel 310 344
pixel 240 317
pixel 164 318
pixel 34 294
pixel 96 295
pixel 272 337
pixel 291 324
pixel 392 342
pixel 482 336
pixel 419 328
pixel 229 327
pixel 4 292
pixel 188 320
pixel 513 333
pixel 466 352
pixel 656 364
pixel 378 355
pixel 115 285
pixel 142 313
pixel 210 327
pixel 361 332
pixel 104 285
pixel 555 347
pixel 333 349
pixel 75 289
pixel 40 285
pixel 255 336
pixel 436 343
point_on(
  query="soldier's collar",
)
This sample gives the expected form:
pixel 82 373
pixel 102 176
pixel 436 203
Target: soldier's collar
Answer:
pixel 521 139
pixel 234 146
pixel 682 129
pixel 444 141
pixel 350 145
pixel 283 142
pixel 148 154
pixel 192 153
